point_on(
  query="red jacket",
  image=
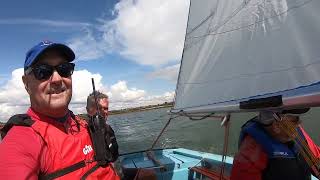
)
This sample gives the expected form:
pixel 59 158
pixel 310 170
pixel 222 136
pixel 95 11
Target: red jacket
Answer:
pixel 48 146
pixel 251 159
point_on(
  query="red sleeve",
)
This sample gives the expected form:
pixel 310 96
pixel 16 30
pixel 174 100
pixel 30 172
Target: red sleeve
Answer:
pixel 313 147
pixel 20 152
pixel 249 162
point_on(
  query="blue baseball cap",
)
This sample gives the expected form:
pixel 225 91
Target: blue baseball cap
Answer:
pixel 37 50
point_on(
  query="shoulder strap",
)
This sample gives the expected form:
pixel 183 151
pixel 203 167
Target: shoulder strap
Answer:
pixel 63 171
pixel 94 168
pixel 16 120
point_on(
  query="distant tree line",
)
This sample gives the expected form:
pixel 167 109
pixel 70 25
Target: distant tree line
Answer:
pixel 142 108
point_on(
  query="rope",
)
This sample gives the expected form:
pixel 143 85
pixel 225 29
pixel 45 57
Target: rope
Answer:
pixel 225 146
pixel 201 118
pixel 226 137
pixel 291 131
pixel 155 142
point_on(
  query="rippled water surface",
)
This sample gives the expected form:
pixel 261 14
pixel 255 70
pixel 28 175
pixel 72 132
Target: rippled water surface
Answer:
pixel 136 131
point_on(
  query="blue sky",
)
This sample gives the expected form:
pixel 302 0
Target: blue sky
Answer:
pixel 135 46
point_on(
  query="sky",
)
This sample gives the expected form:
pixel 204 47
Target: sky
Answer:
pixel 132 48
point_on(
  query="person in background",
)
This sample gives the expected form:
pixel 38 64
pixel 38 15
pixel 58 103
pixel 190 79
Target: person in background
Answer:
pixel 103 104
pixel 49 141
pixel 269 150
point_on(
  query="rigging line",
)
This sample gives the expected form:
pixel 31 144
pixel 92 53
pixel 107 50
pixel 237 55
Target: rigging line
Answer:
pixel 290 129
pixel 225 146
pixel 252 74
pixel 203 21
pixel 302 145
pixel 233 14
pixel 192 118
pixel 306 153
pixel 166 125
pixel 225 140
pixel 252 24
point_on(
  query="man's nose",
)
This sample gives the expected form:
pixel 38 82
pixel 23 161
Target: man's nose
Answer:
pixel 55 78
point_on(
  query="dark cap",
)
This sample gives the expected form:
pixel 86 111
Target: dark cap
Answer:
pixel 266 117
pixel 37 50
pixel 295 111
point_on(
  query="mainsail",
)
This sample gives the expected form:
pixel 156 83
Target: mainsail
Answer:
pixel 237 52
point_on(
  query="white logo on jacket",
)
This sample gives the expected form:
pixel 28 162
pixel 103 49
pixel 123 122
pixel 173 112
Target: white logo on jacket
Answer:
pixel 279 153
pixel 87 149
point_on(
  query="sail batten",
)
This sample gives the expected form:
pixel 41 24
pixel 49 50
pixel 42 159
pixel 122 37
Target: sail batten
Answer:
pixel 240 50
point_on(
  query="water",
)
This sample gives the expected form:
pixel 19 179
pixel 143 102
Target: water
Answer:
pixel 136 131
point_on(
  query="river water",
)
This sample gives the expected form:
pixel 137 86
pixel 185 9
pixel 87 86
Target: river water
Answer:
pixel 136 131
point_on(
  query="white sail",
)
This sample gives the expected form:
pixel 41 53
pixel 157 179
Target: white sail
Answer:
pixel 238 50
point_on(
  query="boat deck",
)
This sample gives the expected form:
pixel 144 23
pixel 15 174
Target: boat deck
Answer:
pixel 176 163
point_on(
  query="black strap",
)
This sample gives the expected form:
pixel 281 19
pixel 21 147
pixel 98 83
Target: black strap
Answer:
pixel 64 171
pixel 16 120
pixel 94 168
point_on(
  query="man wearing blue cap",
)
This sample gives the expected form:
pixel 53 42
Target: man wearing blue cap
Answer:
pixel 49 141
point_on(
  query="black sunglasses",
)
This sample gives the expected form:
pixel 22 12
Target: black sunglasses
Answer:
pixel 45 71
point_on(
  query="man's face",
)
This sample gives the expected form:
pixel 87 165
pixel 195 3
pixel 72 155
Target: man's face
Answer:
pixel 287 130
pixel 51 96
pixel 103 105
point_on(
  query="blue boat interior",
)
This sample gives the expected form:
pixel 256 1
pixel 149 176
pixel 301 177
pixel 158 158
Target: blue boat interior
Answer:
pixel 176 163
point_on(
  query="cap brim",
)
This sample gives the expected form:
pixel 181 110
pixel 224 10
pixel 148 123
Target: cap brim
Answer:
pixel 295 111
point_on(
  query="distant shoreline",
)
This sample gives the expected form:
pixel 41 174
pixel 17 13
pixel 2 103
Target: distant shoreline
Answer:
pixel 142 108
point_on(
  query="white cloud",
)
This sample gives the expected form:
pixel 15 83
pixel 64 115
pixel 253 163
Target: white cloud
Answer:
pixel 144 101
pixel 13 91
pixel 44 22
pixel 153 31
pixel 87 47
pixel 149 32
pixel 119 92
pixel 82 86
pixel 169 73
pixel 14 99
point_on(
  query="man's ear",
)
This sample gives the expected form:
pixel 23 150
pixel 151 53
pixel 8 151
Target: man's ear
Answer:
pixel 25 82
pixel 90 111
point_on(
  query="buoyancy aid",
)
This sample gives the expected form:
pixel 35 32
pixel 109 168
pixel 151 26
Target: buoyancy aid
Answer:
pixel 284 160
pixel 69 155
